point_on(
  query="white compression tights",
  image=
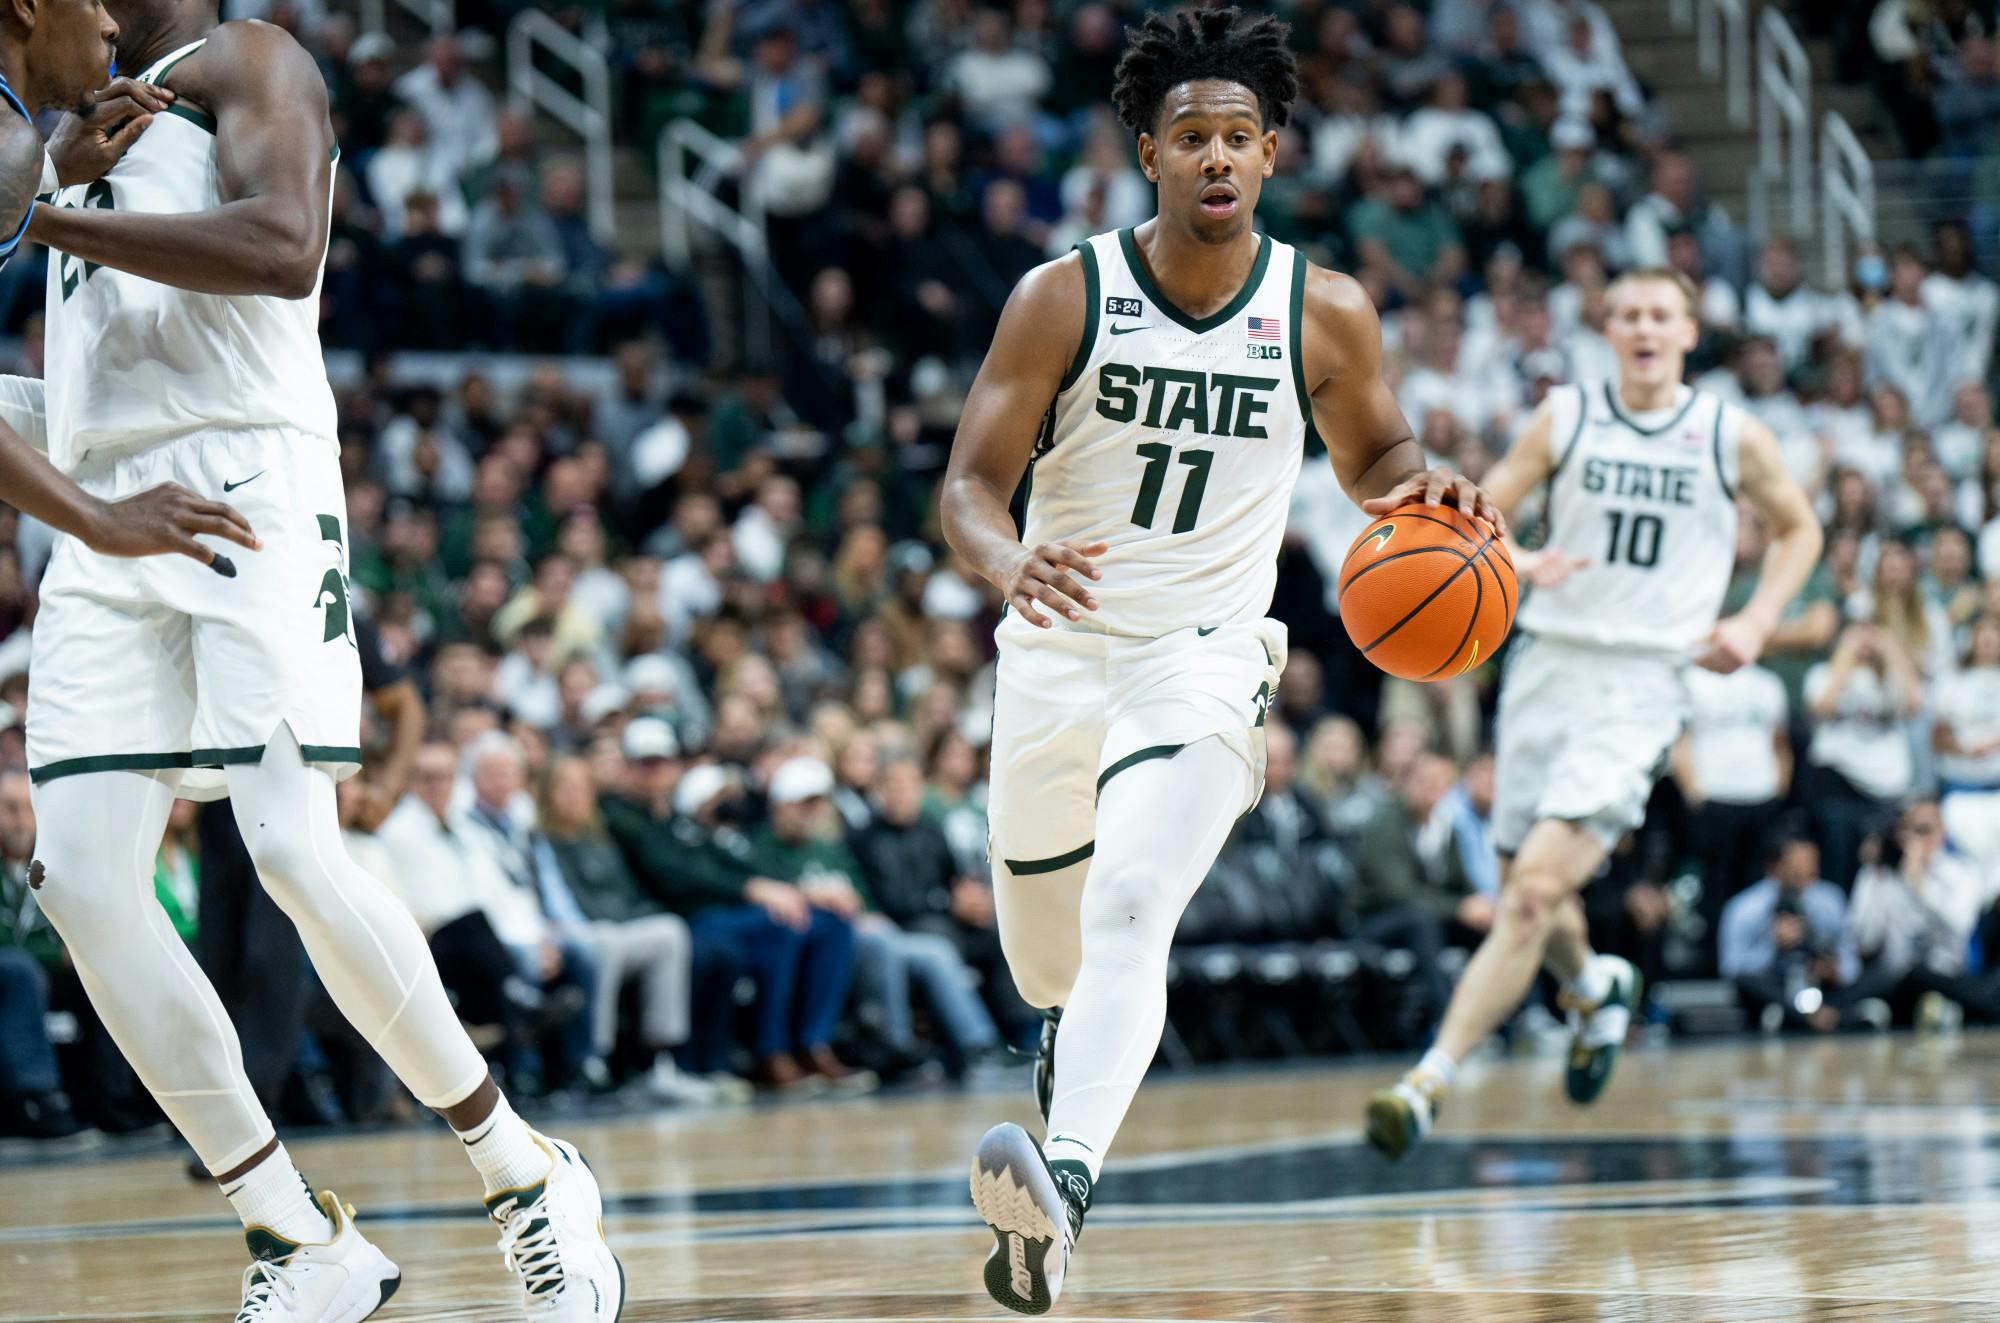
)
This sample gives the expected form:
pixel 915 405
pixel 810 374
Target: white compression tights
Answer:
pixel 96 837
pixel 1160 825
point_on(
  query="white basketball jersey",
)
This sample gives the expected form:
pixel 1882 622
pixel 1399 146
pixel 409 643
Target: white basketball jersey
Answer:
pixel 1650 502
pixel 1177 440
pixel 131 362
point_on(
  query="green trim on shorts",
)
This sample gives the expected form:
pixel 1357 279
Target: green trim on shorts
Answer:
pixel 1134 759
pixel 1029 867
pixel 182 762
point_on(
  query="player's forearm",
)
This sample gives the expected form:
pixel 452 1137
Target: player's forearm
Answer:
pixel 32 485
pixel 1790 561
pixel 978 525
pixel 257 245
pixel 1390 469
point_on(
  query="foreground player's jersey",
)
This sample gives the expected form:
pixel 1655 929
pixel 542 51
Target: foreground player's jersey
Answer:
pixel 1650 502
pixel 1177 440
pixel 131 362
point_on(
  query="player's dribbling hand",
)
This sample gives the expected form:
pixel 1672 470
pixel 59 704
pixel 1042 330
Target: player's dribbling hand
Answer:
pixel 1435 487
pixel 84 146
pixel 1042 575
pixel 166 520
pixel 1734 644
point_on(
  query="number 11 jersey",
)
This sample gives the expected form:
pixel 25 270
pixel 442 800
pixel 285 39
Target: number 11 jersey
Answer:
pixel 1177 440
pixel 1649 500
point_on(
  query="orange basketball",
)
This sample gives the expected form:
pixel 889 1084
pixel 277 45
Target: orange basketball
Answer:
pixel 1427 592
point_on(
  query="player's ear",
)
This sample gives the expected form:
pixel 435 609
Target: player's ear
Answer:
pixel 24 13
pixel 1270 152
pixel 1149 156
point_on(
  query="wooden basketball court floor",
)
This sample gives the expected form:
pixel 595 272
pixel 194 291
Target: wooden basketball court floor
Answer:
pixel 1857 1178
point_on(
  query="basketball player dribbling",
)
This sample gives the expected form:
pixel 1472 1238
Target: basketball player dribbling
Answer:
pixel 1162 382
pixel 1643 477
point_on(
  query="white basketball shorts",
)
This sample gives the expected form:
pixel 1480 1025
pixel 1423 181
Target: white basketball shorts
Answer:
pixel 1583 735
pixel 1075 707
pixel 161 665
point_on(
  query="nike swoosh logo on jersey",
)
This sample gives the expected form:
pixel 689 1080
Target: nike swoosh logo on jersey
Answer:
pixel 1204 633
pixel 1126 330
pixel 228 487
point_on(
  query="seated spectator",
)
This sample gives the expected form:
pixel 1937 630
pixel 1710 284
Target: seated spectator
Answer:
pixel 667 820
pixel 1410 887
pixel 999 82
pixel 1594 222
pixel 1733 768
pixel 1785 942
pixel 406 167
pixel 1859 763
pixel 800 843
pixel 457 109
pixel 1448 122
pixel 634 939
pixel 514 254
pixel 1966 736
pixel 916 880
pixel 1408 239
pixel 1587 61
pixel 1913 345
pixel 1958 289
pixel 499 822
pixel 1470 808
pixel 1912 917
pixel 494 952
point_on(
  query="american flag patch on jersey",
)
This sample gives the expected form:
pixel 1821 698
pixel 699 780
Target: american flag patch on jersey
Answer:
pixel 1266 328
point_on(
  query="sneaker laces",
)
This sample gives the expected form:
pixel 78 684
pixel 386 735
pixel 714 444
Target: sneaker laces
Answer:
pixel 1075 1191
pixel 266 1286
pixel 529 1247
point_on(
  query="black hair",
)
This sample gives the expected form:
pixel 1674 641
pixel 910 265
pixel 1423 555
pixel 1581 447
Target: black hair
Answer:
pixel 1162 53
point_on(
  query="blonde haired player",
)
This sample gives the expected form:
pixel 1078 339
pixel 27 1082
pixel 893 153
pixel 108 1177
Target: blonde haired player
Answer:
pixel 1643 476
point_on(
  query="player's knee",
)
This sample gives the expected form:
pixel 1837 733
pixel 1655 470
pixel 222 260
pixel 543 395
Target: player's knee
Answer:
pixel 291 871
pixel 1123 915
pixel 79 891
pixel 1532 900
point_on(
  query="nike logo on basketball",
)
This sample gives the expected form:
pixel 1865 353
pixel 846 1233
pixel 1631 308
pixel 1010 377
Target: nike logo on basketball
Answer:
pixel 1380 537
pixel 1126 330
pixel 228 487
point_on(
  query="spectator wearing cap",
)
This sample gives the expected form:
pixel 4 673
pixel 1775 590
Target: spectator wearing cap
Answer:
pixel 1549 186
pixel 668 821
pixel 916 880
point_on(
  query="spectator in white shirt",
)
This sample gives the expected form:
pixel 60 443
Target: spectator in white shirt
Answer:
pixel 1783 307
pixel 1584 64
pixel 766 528
pixel 1859 759
pixel 1593 222
pixel 1841 418
pixel 1675 203
pixel 999 82
pixel 1912 344
pixel 1961 441
pixel 1966 737
pixel 1960 292
pixel 1430 134
pixel 404 166
pixel 1733 767
pixel 458 110
pixel 1912 917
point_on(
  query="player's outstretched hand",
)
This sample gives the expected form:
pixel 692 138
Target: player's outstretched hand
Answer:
pixel 166 520
pixel 86 145
pixel 1734 644
pixel 1042 575
pixel 1435 487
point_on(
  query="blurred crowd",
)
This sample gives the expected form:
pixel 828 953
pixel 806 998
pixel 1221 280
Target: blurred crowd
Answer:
pixel 678 748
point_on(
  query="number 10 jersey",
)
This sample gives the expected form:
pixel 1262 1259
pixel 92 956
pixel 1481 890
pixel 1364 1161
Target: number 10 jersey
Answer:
pixel 1649 501
pixel 1177 440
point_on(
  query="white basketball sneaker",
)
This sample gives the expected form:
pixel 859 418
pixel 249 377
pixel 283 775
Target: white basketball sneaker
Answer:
pixel 1034 1217
pixel 552 1239
pixel 343 1281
